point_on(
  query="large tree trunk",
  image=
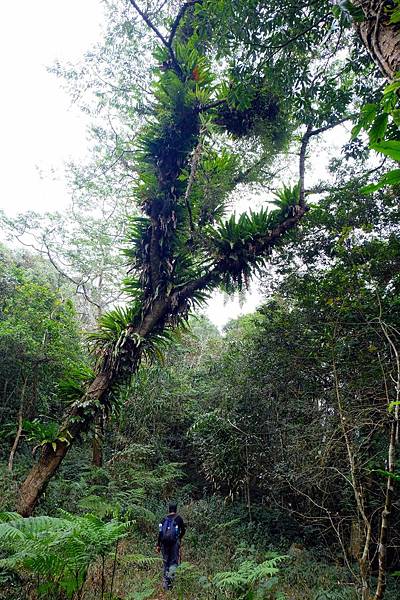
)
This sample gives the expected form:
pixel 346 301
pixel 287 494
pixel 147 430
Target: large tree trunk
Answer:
pixel 76 422
pixel 379 36
pixel 39 476
pixel 85 411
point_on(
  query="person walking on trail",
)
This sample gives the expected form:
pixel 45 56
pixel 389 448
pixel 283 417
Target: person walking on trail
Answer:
pixel 171 531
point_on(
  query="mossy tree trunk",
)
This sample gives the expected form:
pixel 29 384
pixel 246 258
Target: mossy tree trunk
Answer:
pixel 379 35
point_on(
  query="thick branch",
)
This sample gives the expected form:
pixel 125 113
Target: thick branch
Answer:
pixel 260 247
pixel 179 18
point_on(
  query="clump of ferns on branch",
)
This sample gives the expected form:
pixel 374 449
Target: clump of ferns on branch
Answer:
pixel 180 247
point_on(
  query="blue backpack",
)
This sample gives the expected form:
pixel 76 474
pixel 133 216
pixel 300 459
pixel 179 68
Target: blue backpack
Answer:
pixel 169 531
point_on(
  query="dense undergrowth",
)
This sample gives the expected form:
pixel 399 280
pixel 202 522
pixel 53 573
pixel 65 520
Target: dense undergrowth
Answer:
pixel 101 545
pixel 223 556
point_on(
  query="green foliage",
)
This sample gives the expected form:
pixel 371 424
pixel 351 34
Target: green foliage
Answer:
pixel 58 551
pixel 73 386
pixel 247 579
pixel 347 12
pixel 42 434
pixel 394 12
pixel 381 121
pixel 40 345
pixel 391 178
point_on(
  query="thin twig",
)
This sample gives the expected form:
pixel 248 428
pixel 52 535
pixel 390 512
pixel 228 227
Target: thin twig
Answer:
pixel 160 36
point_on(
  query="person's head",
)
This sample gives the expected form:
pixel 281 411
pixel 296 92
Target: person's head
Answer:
pixel 172 508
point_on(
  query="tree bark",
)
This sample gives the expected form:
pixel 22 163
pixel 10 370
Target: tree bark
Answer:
pixel 76 422
pixel 19 429
pixel 97 441
pixel 379 36
pixel 39 476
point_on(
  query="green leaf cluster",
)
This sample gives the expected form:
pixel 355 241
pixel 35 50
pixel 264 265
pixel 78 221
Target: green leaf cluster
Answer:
pixel 243 582
pixel 381 120
pixel 58 551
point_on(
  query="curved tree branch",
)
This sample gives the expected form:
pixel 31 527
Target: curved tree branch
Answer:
pixel 160 36
pixel 179 18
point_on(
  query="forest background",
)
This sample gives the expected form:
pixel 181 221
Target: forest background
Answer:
pixel 277 436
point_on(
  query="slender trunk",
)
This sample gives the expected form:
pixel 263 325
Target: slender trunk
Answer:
pixel 385 517
pixel 15 444
pixel 114 570
pixel 97 441
pixel 248 492
pixel 98 429
pixel 19 429
pixel 379 36
pixel 5 390
pixel 103 576
pixel 363 557
pixel 393 443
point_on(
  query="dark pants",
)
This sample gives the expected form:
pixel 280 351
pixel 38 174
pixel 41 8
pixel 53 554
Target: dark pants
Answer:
pixel 170 554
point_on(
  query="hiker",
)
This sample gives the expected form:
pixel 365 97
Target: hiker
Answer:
pixel 171 531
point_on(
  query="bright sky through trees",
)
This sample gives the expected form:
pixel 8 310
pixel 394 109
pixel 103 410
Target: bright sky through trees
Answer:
pixel 39 127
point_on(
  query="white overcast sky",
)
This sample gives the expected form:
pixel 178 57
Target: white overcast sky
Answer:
pixel 40 128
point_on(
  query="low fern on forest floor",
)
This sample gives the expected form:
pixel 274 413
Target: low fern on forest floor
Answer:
pixel 57 552
pixel 93 557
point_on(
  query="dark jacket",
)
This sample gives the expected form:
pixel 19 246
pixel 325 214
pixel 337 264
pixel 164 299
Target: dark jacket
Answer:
pixel 178 520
